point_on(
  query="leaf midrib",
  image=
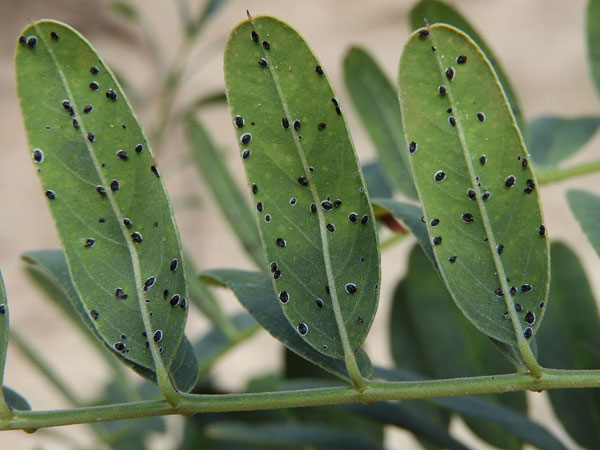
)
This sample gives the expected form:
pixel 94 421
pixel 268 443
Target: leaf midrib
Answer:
pixel 159 366
pixel 348 351
pixel 501 274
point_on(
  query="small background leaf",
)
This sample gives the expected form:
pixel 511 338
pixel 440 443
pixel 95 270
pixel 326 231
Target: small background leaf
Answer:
pixel 593 40
pixel 376 102
pixel 554 139
pixel 255 292
pixel 110 260
pixel 570 340
pixel 478 191
pixel 586 208
pixel 376 181
pixel 4 329
pixel 331 245
pixel 15 400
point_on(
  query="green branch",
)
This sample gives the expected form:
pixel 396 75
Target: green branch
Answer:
pixel 374 392
pixel 548 176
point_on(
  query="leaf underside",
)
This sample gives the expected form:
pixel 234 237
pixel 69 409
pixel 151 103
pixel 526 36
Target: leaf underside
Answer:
pixel 104 191
pixel 333 247
pixel 586 208
pixel 471 170
pixel 52 265
pixel 255 293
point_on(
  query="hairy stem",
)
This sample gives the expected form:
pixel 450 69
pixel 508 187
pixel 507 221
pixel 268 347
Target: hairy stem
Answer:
pixel 375 391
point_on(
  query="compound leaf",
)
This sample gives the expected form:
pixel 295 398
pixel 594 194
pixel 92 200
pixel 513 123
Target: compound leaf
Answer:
pixel 104 192
pixel 478 192
pixel 315 218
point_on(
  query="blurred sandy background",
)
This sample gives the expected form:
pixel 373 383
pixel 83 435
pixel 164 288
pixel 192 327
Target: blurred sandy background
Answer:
pixel 540 44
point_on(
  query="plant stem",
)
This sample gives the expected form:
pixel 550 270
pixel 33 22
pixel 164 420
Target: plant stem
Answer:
pixel 374 392
pixel 553 175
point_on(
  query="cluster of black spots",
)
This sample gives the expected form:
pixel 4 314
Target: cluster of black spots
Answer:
pixel 302 181
pixel 452 259
pixel 89 243
pixel 526 288
pixel 94 314
pixel 486 196
pixel 350 288
pixel 321 126
pixel 122 154
pixel 313 208
pixel 302 329
pixel 542 230
pixel 259 207
pixel 239 121
pixel 499 292
pixel 246 138
pixel 450 73
pixel 136 237
pixel 75 124
pixel 280 242
pixel 326 205
pixel 263 62
pixel 101 190
pixel 423 33
pixel 50 194
pixel 482 160
pixel 91 137
pixel 352 217
pixel 461 59
pixel 528 332
pixel 364 219
pixel 524 163
pixel 37 155
pixel 412 147
pixel 174 300
pixel 434 222
pixel 111 94
pixel 296 124
pixel 266 45
pixel 437 240
pixel 452 121
pixel 292 201
pixel 500 248
pixel 530 186
pixel 127 222
pixel 530 318
pixel 267 218
pixel 173 265
pixel 442 90
pixel 120 294
pixel 114 185
pixel 149 283
pixel 254 36
pixel 285 123
pixel 88 109
pixel 471 194
pixel 513 290
pixel 284 297
pixel 439 176
pixel 277 275
pixel 94 86
pixel 518 307
pixel 467 218
pixel 246 154
pixel 330 227
pixel 510 181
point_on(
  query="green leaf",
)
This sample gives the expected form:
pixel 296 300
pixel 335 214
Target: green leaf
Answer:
pixel 4 316
pixel 586 208
pixel 255 293
pixel 375 180
pixel 53 265
pixel 289 435
pixel 554 139
pixel 512 422
pixel 315 218
pixel 436 11
pixel 215 343
pixel 570 340
pixel 412 217
pixel 485 219
pixel 439 342
pixel 15 400
pixel 104 192
pixel 218 179
pixel 593 40
pixel 376 102
pixel 125 10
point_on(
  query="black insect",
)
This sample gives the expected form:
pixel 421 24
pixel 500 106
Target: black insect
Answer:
pixel 266 45
pixel 337 203
pixel 267 218
pixel 259 207
pixel 183 303
pixel 149 283
pixel 524 163
pixel 434 222
pixel 285 123
pixel 482 159
pixel 51 195
pixel 88 109
pixel 518 307
pixel 442 90
pixel 122 154
pixel 364 219
pixel 120 294
pixel 352 217
pixel 450 73
pixel 54 35
pixel 318 70
pixel 254 36
pixel 452 121
pixel 326 205
pixel 528 332
pixel 480 116
pixel 91 137
pixel 461 59
pixel 526 288
pixel 157 336
pixel 280 242
pixel 338 110
pixel 423 33
pixel 313 208
pixel 89 242
pixel 37 155
pixel 500 249
pixel 154 170
pixel 471 194
pixel 263 62
pixel 75 124
pixel 66 104
pixel 542 230
pixel 302 181
pixel 139 148
pixel 437 240
pixel 330 227
pixel 321 126
pixel 510 181
pixel 412 147
pixel 174 264
pixel 499 292
pixel 351 288
pixel 486 196
pixel 277 275
pixel 127 222
pixel 119 346
pixel 111 94
pixel 94 314
pixel 319 303
pixel 246 154
pixel 452 259
pixel 440 175
pixel 302 329
pixel 136 237
pixel 114 185
pixel 31 41
pixel 94 86
pixel 334 101
pixel 239 121
pixel 174 300
pixel 530 318
pixel 245 138
pixel 284 297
